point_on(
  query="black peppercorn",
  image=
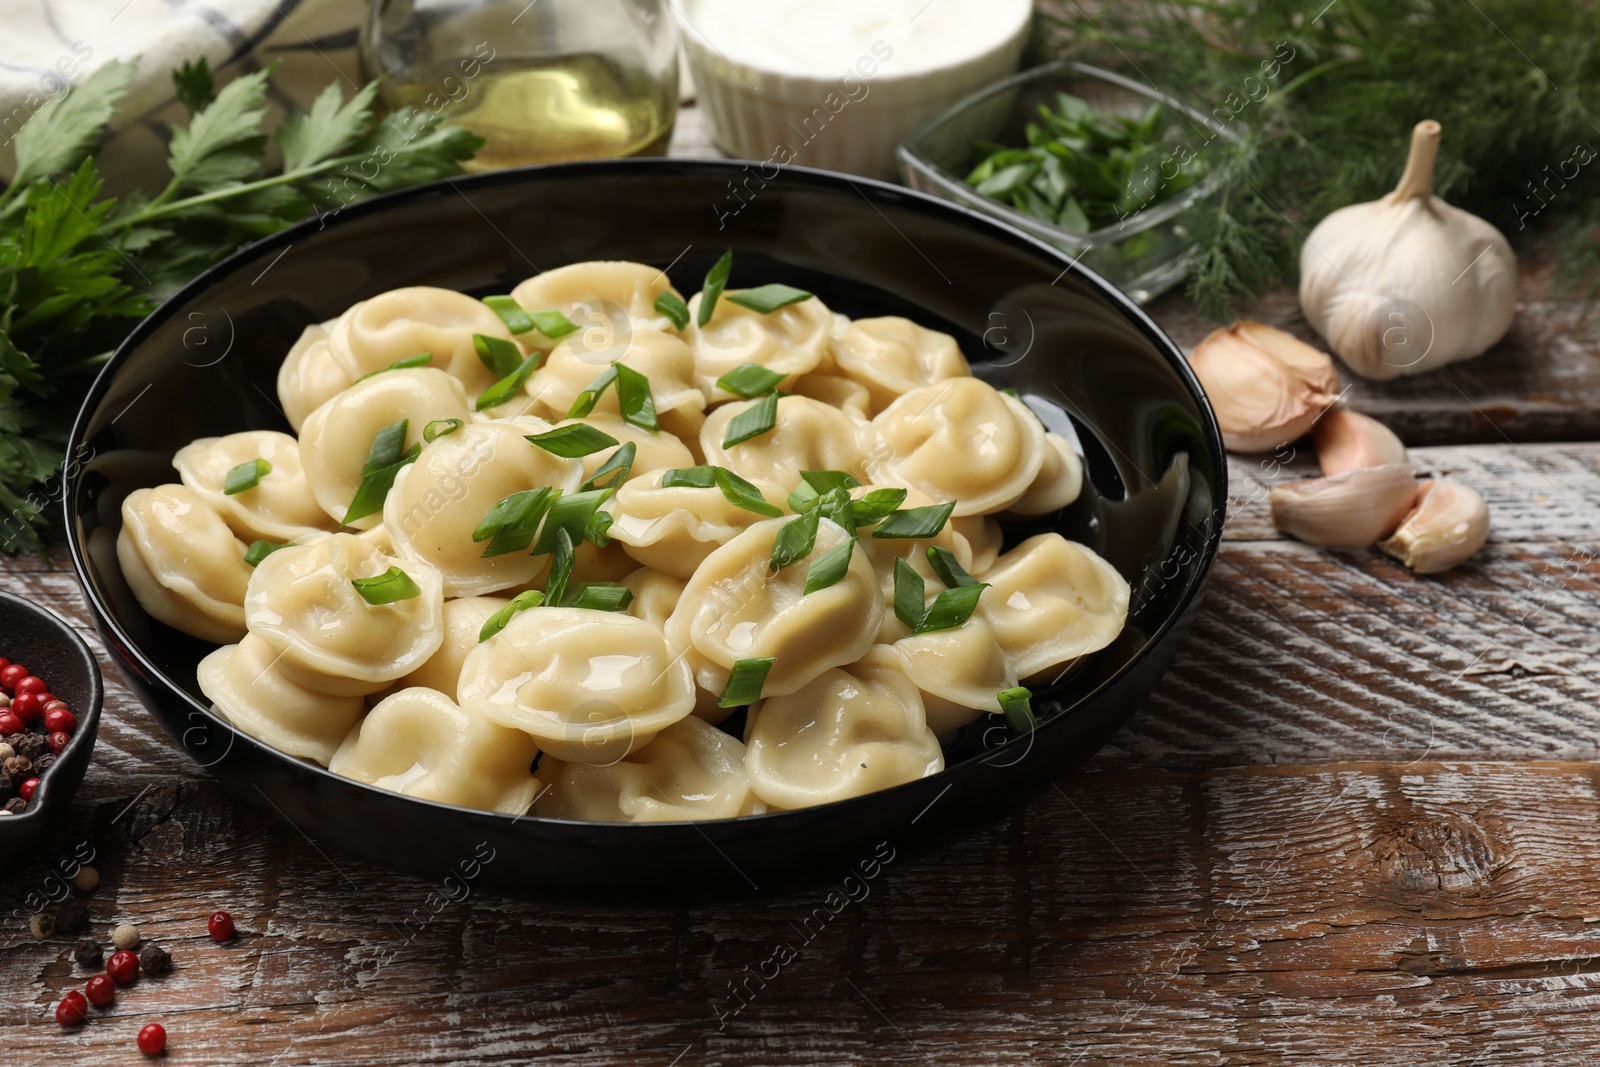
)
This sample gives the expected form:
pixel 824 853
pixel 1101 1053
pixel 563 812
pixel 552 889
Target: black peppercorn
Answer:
pixel 43 763
pixel 17 767
pixel 72 916
pixel 16 806
pixel 153 959
pixel 88 954
pixel 30 745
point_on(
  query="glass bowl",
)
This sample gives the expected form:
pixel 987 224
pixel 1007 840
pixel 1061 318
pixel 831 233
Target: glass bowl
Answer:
pixel 1143 255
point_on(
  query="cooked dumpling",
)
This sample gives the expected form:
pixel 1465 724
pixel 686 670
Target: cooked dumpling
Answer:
pixel 851 731
pixel 302 602
pixel 589 686
pixel 463 619
pixel 984 538
pixel 960 440
pixel 1052 600
pixel 690 770
pixel 882 551
pixel 674 529
pixel 248 688
pixel 959 671
pixel 279 508
pixel 310 376
pixel 662 358
pixel 591 563
pixel 418 743
pixel 402 323
pixel 337 437
pixel 438 501
pixel 849 397
pixel 735 608
pixel 808 436
pixel 892 356
pixel 182 562
pixel 655 594
pixel 791 340
pixel 586 292
pixel 1059 482
pixel 652 451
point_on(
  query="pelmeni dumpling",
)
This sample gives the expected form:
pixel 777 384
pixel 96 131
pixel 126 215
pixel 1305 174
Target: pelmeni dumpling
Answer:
pixel 690 770
pixel 182 562
pixel 984 537
pixel 571 368
pixel 589 686
pixel 463 619
pixel 302 602
pixel 655 595
pixel 960 671
pixel 735 608
pixel 960 440
pixel 808 436
pixel 1052 600
pixel 439 500
pixel 883 550
pixel 791 340
pixel 849 397
pixel 279 508
pixel 892 356
pixel 597 294
pixel 418 743
pixel 337 437
pixel 652 451
pixel 402 323
pixel 674 529
pixel 248 687
pixel 851 731
pixel 310 376
pixel 1059 482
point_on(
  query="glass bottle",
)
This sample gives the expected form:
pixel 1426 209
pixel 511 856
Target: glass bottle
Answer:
pixel 542 81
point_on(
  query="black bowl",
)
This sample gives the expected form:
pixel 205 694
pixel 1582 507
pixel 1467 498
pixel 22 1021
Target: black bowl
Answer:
pixel 48 645
pixel 1083 355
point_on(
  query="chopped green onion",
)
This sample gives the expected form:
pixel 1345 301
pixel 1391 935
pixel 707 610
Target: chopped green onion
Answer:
pixel 745 682
pixel 511 313
pixel 562 559
pixel 768 298
pixel 876 506
pixel 260 550
pixel 802 497
pixel 909 594
pixel 837 506
pixel 553 323
pixel 948 568
pixel 440 428
pixel 1017 706
pixel 743 494
pixel 421 359
pixel 497 622
pixel 570 515
pixel 916 522
pixel 574 441
pixel 499 355
pixel 389 587
pixel 796 538
pixel 245 476
pixel 689 478
pixel 587 399
pixel 633 396
pixel 711 289
pixel 827 481
pixel 598 596
pixel 1013 394
pixel 750 380
pixel 506 387
pixel 829 567
pixel 388 445
pixel 753 421
pixel 950 609
pixel 509 526
pixel 617 466
pixel 672 306
pixel 598 529
pixel 384 460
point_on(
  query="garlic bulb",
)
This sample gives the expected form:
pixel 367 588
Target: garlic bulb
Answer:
pixel 1266 386
pixel 1350 510
pixel 1449 523
pixel 1348 440
pixel 1407 283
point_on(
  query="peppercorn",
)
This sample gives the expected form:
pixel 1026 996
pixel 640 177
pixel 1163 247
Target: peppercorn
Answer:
pixel 10 725
pixel 58 742
pixel 15 806
pixel 17 767
pixel 220 926
pixel 43 925
pixel 30 684
pixel 153 959
pixel 101 989
pixel 123 966
pixel 6 752
pixel 88 953
pixel 152 1039
pixel 31 745
pixel 13 673
pixel 86 878
pixel 73 1009
pixel 126 935
pixel 60 720
pixel 44 763
pixel 72 916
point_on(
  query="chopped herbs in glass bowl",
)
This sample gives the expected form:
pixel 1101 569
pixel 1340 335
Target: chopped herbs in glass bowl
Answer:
pixel 1094 163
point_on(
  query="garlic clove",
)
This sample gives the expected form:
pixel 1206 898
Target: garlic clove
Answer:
pixel 1449 523
pixel 1261 402
pixel 1311 364
pixel 1350 510
pixel 1348 440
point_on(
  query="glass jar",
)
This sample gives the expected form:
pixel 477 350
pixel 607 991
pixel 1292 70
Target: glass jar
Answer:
pixel 542 81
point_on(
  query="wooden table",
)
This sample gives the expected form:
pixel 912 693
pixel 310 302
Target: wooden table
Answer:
pixel 1358 822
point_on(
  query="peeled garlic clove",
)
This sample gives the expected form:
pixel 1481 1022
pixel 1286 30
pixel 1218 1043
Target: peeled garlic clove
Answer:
pixel 1449 524
pixel 1312 365
pixel 1408 283
pixel 1261 401
pixel 1348 440
pixel 1350 510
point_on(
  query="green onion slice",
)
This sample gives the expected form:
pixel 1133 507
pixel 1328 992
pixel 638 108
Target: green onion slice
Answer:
pixel 511 313
pixel 909 594
pixel 753 421
pixel 597 530
pixel 711 289
pixel 574 441
pixel 569 515
pixel 553 323
pixel 260 550
pixel 562 559
pixel 768 298
pixel 745 682
pixel 701 477
pixel 506 387
pixel 384 460
pixel 736 490
pixel 440 428
pixel 876 506
pixel 421 359
pixel 509 526
pixel 672 306
pixel 615 470
pixel 750 380
pixel 916 522
pixel 796 538
pixel 245 476
pixel 1017 706
pixel 389 587
pixel 587 399
pixel 598 596
pixel 829 567
pixel 948 568
pixel 950 609
pixel 499 355
pixel 634 397
pixel 521 602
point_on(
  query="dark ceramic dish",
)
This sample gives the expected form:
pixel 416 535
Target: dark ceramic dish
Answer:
pixel 1083 356
pixel 45 643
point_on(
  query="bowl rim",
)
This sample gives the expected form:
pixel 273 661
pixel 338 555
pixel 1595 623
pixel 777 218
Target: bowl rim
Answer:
pixel 88 717
pixel 576 171
pixel 911 156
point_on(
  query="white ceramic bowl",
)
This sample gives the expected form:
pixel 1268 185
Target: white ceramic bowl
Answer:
pixel 850 121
